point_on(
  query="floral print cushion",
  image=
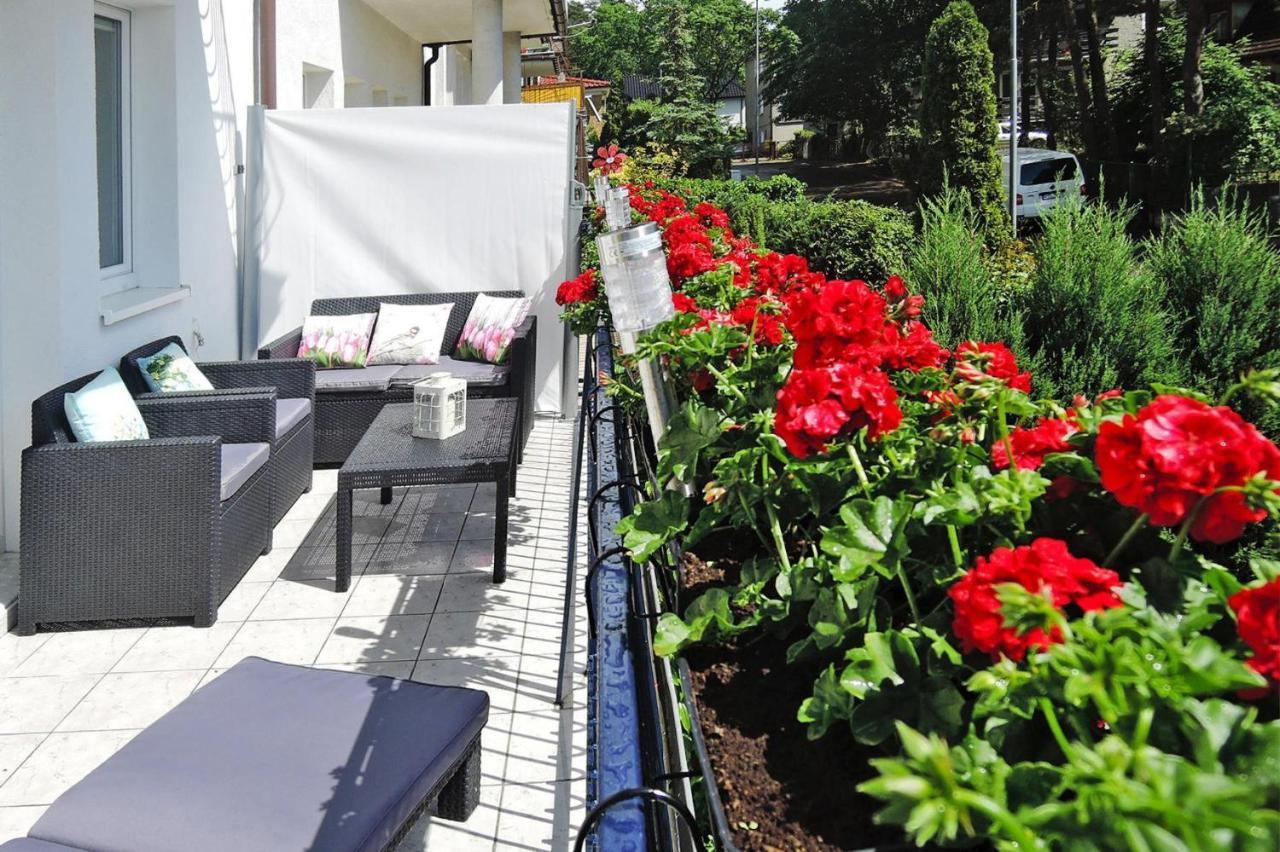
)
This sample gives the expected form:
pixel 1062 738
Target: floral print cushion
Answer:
pixel 170 370
pixel 337 341
pixel 409 334
pixel 490 328
pixel 104 410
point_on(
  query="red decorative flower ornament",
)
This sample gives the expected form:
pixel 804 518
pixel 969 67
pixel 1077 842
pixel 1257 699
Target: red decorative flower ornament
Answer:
pixel 609 159
pixel 1177 452
pixel 1044 567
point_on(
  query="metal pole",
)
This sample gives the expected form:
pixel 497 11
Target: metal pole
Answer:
pixel 1013 115
pixel 755 124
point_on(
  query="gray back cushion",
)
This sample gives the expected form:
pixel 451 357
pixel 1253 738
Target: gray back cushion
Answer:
pixel 271 757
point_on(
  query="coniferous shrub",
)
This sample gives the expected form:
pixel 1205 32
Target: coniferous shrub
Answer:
pixel 1095 318
pixel 958 112
pixel 1222 279
pixel 950 267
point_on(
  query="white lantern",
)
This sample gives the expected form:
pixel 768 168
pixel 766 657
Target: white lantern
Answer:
pixel 439 407
pixel 636 282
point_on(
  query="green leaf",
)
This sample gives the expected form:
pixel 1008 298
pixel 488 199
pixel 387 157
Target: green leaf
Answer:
pixel 693 429
pixel 653 524
pixel 865 538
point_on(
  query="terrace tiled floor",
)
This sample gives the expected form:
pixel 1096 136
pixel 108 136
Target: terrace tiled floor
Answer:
pixel 422 606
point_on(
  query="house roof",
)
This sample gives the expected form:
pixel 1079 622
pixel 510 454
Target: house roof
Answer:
pixel 636 87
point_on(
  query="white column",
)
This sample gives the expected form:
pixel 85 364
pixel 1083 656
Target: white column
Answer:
pixel 486 51
pixel 511 68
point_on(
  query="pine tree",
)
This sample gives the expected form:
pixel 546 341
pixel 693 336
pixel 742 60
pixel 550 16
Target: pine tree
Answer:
pixel 958 112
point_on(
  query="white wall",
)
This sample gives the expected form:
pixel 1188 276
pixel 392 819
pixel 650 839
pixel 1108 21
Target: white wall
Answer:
pixel 364 51
pixel 193 72
pixel 733 110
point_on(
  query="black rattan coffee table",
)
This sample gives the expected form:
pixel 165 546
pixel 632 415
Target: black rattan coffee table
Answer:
pixel 389 456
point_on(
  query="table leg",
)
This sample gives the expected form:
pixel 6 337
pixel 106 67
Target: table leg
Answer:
pixel 343 581
pixel 386 496
pixel 500 531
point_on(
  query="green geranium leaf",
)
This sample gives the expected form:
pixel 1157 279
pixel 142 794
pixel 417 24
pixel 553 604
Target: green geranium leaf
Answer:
pixel 653 524
pixel 865 538
pixel 1070 464
pixel 694 428
pixel 828 705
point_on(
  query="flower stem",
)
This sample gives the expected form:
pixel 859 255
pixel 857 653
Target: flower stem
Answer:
pixel 727 385
pixel 857 468
pixel 1186 527
pixel 1138 524
pixel 1056 728
pixel 901 571
pixel 1004 432
pixel 776 529
pixel 954 538
pixel 992 810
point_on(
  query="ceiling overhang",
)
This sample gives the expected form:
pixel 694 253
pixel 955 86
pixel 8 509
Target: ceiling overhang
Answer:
pixel 449 21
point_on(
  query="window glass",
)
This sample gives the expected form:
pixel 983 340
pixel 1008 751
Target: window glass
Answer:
pixel 109 57
pixel 1048 171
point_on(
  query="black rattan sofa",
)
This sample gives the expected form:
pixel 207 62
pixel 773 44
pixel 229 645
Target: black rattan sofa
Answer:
pixel 293 452
pixel 347 401
pixel 162 528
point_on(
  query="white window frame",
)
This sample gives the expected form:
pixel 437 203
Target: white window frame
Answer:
pixel 125 267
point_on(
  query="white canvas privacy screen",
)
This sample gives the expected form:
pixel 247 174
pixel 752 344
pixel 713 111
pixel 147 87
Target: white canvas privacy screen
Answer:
pixel 368 202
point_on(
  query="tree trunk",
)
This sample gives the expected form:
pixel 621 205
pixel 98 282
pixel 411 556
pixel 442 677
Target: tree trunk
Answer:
pixel 1192 84
pixel 1087 127
pixel 1155 79
pixel 1047 84
pixel 1098 77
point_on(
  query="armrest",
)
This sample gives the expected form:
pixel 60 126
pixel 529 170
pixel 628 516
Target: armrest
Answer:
pixel 524 362
pixel 293 378
pixel 285 346
pixel 237 418
pixel 163 491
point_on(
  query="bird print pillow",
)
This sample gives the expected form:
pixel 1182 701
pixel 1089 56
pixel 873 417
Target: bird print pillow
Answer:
pixel 409 334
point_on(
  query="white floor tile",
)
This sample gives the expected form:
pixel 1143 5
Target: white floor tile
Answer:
pixel 475 590
pixel 130 701
pixel 35 704
pixel 81 652
pixel 289 599
pixel 356 639
pixel 17 821
pixel 172 648
pixel 60 761
pixel 240 603
pixel 15 748
pixel 497 676
pixel 410 594
pixel 295 641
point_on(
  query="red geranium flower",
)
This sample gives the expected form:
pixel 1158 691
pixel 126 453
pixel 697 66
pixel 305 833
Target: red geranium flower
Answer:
pixel 609 159
pixel 911 347
pixel 905 305
pixel 714 216
pixel 817 406
pixel 768 327
pixel 684 304
pixel 1044 567
pixel 1179 451
pixel 841 321
pixel 580 289
pixel 1030 446
pixel 978 361
pixel 1258 623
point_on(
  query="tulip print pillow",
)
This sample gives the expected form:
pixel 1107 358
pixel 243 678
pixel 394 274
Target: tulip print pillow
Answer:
pixel 336 341
pixel 409 334
pixel 490 328
pixel 171 370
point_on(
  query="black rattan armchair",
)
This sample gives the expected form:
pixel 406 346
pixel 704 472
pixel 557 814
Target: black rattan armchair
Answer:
pixel 151 529
pixel 346 408
pixel 293 452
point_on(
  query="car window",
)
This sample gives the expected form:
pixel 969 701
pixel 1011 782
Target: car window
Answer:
pixel 1048 171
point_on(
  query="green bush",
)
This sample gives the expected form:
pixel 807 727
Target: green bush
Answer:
pixel 949 266
pixel 844 239
pixel 1222 281
pixel 776 188
pixel 958 111
pixel 1095 319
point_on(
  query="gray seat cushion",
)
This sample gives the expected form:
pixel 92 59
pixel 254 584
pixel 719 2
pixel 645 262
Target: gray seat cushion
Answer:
pixel 474 372
pixel 289 413
pixel 28 844
pixel 239 462
pixel 355 379
pixel 271 757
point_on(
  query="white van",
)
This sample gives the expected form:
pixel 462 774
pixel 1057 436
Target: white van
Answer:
pixel 1044 179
